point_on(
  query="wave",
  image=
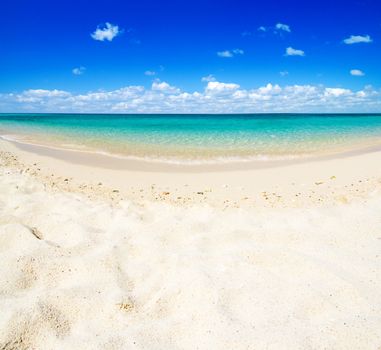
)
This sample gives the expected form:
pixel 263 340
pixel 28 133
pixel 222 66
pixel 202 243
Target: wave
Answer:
pixel 175 160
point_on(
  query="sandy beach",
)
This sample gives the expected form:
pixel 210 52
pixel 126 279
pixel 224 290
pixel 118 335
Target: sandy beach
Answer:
pixel 190 175
pixel 101 254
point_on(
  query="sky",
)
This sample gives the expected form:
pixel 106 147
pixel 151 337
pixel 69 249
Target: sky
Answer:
pixel 196 56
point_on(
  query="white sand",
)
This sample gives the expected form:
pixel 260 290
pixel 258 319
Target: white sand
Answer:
pixel 77 273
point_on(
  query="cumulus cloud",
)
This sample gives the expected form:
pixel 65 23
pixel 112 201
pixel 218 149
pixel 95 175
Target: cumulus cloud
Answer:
pixel 163 87
pixel 215 86
pixel 108 32
pixel 39 95
pixel 284 27
pixel 356 39
pixel 78 70
pixel 269 89
pixel 294 52
pixel 262 29
pixel 336 92
pixel 230 53
pixel 150 72
pixel 215 97
pixel 283 73
pixel 357 72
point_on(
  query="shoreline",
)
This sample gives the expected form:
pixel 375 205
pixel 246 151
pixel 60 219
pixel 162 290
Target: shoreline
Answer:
pixel 119 162
pixel 269 149
pixel 285 184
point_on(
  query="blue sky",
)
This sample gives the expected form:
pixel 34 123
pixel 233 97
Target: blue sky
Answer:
pixel 50 46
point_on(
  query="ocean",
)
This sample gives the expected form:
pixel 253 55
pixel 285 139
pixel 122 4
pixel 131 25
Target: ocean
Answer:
pixel 198 137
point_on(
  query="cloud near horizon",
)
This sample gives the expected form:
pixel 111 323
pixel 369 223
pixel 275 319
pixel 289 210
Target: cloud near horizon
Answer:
pixel 216 97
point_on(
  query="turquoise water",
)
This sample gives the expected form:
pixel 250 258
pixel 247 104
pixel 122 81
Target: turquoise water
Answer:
pixel 198 137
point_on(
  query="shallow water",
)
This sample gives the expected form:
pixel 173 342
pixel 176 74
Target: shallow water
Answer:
pixel 198 137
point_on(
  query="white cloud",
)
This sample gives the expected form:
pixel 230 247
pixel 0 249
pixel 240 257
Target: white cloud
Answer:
pixel 216 97
pixel 277 29
pixel 230 53
pixel 225 53
pixel 208 78
pixel 357 72
pixel 336 92
pixel 160 86
pixel 108 32
pixel 39 95
pixel 46 93
pixel 284 27
pixel 78 70
pixel 219 87
pixel 355 39
pixel 269 89
pixel 283 73
pixel 239 94
pixel 294 52
pixel 163 87
pixel 150 73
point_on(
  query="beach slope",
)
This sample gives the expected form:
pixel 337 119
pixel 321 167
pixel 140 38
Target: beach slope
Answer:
pixel 90 273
